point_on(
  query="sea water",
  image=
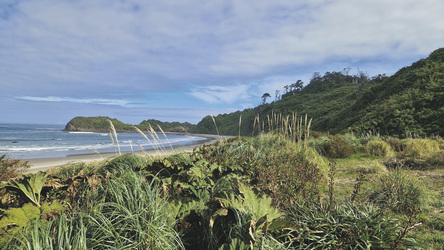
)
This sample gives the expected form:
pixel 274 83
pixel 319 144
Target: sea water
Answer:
pixel 28 141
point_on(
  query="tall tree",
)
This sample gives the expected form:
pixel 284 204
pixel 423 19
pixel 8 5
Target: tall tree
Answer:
pixel 264 97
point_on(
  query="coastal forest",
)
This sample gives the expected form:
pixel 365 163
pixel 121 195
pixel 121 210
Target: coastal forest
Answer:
pixel 346 162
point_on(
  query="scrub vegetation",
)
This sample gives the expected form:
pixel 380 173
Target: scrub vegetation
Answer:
pixel 286 188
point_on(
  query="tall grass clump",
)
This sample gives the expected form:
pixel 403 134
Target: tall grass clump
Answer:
pixel 355 142
pixel 63 232
pixel 126 162
pixel 134 215
pixel 420 148
pixel 114 132
pixel 332 146
pixel 399 191
pixel 291 126
pixel 343 226
pixel 287 171
pixel 338 147
pixel 379 148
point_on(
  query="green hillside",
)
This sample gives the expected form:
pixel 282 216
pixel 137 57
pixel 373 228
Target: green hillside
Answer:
pixel 179 127
pixel 101 124
pixel 409 102
pixel 96 124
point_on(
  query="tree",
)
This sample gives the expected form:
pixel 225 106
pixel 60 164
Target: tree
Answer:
pixel 264 97
pixel 298 86
pixel 277 95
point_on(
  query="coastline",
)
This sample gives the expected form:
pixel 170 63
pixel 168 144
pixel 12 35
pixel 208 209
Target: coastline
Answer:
pixel 42 164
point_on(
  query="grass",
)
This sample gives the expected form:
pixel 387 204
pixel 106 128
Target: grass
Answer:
pixel 272 191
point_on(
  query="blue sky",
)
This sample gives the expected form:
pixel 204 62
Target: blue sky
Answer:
pixel 182 60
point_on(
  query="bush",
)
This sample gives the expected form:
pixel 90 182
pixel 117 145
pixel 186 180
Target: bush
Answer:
pixel 379 148
pixel 436 160
pixel 395 144
pixel 343 226
pixel 399 191
pixel 356 142
pixel 419 148
pixel 338 148
pixel 10 168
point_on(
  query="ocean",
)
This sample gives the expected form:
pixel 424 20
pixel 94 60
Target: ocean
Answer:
pixel 28 141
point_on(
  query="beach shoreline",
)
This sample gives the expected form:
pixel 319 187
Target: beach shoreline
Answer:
pixel 43 164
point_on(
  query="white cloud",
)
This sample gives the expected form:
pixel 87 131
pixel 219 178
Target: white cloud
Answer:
pixel 221 94
pixel 113 102
pixel 339 29
pixel 229 52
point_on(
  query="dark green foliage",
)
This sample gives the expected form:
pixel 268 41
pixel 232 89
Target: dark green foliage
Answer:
pixel 101 124
pixel 96 124
pixel 184 127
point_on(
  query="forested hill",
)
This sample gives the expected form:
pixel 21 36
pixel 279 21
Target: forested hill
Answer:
pixel 410 101
pixel 101 124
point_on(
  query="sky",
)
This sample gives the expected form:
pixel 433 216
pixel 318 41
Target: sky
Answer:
pixel 176 60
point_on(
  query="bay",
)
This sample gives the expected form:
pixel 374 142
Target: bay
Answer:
pixel 30 141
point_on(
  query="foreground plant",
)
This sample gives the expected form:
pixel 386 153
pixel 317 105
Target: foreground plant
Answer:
pixel 133 216
pixel 10 168
pixel 399 191
pixel 59 233
pixel 30 186
pixel 345 226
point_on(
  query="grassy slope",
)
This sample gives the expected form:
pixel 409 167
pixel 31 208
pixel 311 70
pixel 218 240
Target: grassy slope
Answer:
pixel 411 101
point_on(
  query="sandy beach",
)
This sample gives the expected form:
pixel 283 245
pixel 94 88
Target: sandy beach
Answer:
pixel 42 164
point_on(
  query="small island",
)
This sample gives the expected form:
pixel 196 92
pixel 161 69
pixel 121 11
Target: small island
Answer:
pixel 100 124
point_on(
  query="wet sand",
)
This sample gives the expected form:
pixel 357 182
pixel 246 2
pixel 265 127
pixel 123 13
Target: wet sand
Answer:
pixel 42 164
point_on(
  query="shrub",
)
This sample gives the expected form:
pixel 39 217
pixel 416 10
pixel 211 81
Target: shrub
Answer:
pixel 338 148
pixel 343 226
pixel 355 142
pixel 419 148
pixel 394 143
pixel 379 148
pixel 10 168
pixel 435 160
pixel 399 191
pixel 319 144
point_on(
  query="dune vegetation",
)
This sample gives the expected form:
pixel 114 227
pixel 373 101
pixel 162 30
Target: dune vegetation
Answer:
pixel 286 187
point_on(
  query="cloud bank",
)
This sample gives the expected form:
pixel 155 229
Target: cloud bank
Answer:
pixel 109 52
